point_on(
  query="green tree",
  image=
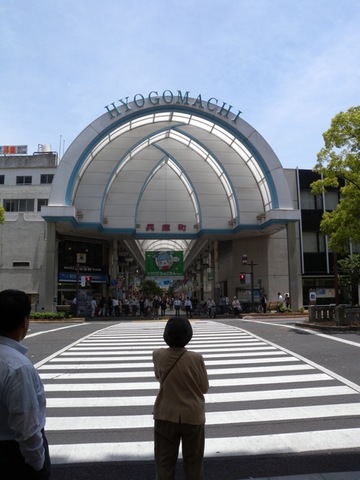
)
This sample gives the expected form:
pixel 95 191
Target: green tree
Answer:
pixel 150 288
pixel 2 215
pixel 338 163
pixel 349 270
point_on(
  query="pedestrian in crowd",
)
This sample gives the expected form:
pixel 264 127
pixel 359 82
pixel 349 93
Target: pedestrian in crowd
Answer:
pixel 236 306
pixel 24 452
pixel 163 306
pixel 142 307
pixel 135 306
pixel 179 410
pixel 126 306
pixel 74 306
pixel 264 302
pixel 211 307
pixel 116 307
pixel 102 307
pixel 280 301
pixel 155 307
pixel 188 307
pixel 93 306
pixel 227 305
pixel 177 305
pixel 222 305
pixel 109 307
pixel 287 300
pixel 148 306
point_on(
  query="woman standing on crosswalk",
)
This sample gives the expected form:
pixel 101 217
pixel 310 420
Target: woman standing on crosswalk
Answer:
pixel 179 410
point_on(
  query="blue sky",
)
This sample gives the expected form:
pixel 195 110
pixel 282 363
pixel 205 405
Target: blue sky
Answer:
pixel 289 65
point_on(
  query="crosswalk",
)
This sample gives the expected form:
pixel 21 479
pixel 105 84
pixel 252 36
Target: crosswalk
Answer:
pixel 262 398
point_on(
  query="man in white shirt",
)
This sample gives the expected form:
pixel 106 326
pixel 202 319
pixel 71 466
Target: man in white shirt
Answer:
pixel 188 307
pixel 24 452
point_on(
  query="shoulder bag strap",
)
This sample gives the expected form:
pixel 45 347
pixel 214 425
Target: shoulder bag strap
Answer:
pixel 173 365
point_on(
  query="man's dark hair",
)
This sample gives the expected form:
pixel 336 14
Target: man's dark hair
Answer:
pixel 14 307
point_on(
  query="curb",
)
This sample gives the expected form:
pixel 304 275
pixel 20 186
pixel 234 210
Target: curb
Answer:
pixel 329 328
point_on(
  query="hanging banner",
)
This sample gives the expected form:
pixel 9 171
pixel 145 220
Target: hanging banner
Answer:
pixel 164 264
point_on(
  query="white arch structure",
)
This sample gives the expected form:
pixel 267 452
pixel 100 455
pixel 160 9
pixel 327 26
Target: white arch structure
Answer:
pixel 163 174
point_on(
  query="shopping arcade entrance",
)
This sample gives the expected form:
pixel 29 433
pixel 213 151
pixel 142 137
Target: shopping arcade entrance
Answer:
pixel 173 172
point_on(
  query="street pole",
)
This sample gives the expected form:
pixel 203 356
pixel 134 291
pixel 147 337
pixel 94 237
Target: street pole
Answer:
pixel 252 265
pixel 77 289
pixel 336 279
pixel 252 283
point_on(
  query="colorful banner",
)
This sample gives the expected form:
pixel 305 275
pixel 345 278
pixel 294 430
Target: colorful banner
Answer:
pixel 164 264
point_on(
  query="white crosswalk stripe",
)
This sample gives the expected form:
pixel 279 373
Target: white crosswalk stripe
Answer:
pixel 262 399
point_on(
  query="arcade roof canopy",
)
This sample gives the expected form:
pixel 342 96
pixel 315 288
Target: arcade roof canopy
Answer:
pixel 166 170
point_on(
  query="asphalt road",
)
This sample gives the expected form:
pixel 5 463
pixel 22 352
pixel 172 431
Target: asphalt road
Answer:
pixel 337 354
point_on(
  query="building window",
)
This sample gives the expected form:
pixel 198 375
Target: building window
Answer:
pixel 24 180
pixel 309 201
pixel 42 202
pixel 19 205
pixel 21 264
pixel 46 178
pixel 331 200
pixel 313 242
pixel 2 179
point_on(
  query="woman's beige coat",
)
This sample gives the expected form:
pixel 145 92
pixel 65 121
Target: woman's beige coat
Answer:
pixel 181 395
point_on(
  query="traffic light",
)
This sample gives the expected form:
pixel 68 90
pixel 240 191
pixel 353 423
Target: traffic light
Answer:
pixel 88 281
pixel 242 278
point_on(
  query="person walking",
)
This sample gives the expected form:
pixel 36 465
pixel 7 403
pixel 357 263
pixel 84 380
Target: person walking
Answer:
pixel 179 410
pixel 24 452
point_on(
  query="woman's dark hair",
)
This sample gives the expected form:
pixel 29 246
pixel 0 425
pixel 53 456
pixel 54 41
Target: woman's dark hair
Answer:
pixel 14 307
pixel 178 332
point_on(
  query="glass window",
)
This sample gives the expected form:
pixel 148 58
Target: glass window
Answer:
pixel 310 242
pixel 19 205
pixel 2 179
pixel 24 180
pixel 46 178
pixel 321 242
pixel 309 201
pixel 331 200
pixel 313 242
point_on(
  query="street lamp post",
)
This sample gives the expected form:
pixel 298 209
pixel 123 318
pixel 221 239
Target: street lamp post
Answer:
pixel 80 258
pixel 77 289
pixel 252 265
